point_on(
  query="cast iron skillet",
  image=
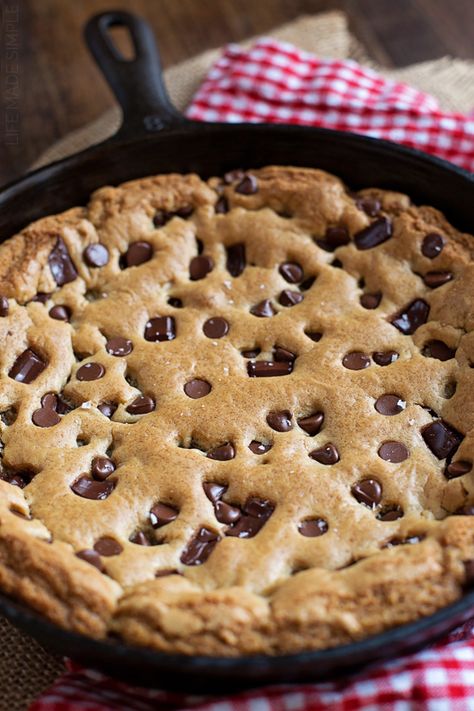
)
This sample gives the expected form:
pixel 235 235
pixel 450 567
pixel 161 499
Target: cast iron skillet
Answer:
pixel 155 138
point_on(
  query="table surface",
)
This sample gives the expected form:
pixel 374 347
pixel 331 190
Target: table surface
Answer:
pixel 60 89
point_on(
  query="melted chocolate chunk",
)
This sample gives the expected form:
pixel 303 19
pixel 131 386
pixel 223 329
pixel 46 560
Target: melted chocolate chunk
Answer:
pixel 197 388
pixel 442 439
pixel 46 415
pixel 409 540
pixel 200 547
pixel 312 424
pixel 468 573
pixel 439 350
pixel 27 367
pixel 384 358
pixel 356 361
pixel 327 454
pixel 142 405
pixel 175 302
pixel 259 447
pixel 282 355
pixel 390 405
pixel 371 301
pixel 390 513
pixel 160 328
pixel 92 557
pixel 214 491
pixel 161 515
pixel 235 264
pixel 4 306
pixel 314 335
pixel 140 539
pixel 373 235
pixel 90 371
pixel 215 327
pixel 432 245
pixel 268 368
pixel 256 513
pixel 370 205
pixel 107 546
pixel 200 267
pixel 222 453
pixel 248 185
pixel 96 255
pixel 119 346
pixel 107 408
pixel 367 492
pixel 263 309
pixel 312 528
pixel 91 489
pixel 61 264
pixel 411 317
pixel 292 272
pixel 459 468
pixel 251 353
pixel 101 468
pixel 41 297
pixel 435 279
pixel 225 513
pixel 137 253
pixel 280 421
pixel 467 510
pixel 394 452
pixel 60 313
pixel 335 237
pixel 290 298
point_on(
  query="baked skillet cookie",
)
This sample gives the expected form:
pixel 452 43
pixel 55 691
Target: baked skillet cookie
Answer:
pixel 237 415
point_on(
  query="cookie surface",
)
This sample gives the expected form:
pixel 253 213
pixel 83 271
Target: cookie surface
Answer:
pixel 237 416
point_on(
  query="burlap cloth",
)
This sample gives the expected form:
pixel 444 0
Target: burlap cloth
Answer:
pixel 25 668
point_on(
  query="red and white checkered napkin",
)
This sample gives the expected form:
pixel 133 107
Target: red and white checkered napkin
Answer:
pixel 275 82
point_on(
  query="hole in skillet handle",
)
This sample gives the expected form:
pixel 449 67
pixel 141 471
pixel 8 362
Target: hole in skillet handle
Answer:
pixel 133 71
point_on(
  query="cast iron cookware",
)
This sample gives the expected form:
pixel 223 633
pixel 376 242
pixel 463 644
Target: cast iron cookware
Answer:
pixel 156 138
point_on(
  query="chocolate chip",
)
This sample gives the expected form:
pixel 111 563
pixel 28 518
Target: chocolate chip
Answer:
pixel 61 264
pixel 327 454
pixel 258 447
pixel 199 267
pixel 263 309
pixel 232 175
pixel 161 515
pixel 91 489
pixel 251 353
pixel 235 264
pixel 184 212
pixel 394 452
pixel 373 235
pixel 384 358
pixel 335 237
pixel 60 313
pixel 312 528
pixel 458 468
pixel 442 439
pixel 468 573
pixel 432 245
pixel 356 360
pixel 175 302
pixel 221 206
pixel 290 298
pixel 411 317
pixel 160 218
pixel 222 453
pixel 4 306
pixel 368 492
pixel 41 297
pixel 435 279
pixel 90 371
pixel 96 255
pixel 107 546
pixel 46 415
pixel 337 264
pixel 107 408
pixel 283 355
pixel 215 327
pixel 390 404
pixel 101 468
pixel 256 513
pixel 465 511
pixel 225 513
pixel 119 346
pixel 268 368
pixel 197 388
pixel 27 367
pixel 370 205
pixel 314 335
pixel 248 185
pixel 200 547
pixel 371 301
pixel 410 540
pixel 142 405
pixel 160 328
pixel 140 539
pixel 137 253
pixel 438 350
pixel 90 556
pixel 312 424
pixel 291 272
pixel 280 421
pixel 214 491
pixel 390 513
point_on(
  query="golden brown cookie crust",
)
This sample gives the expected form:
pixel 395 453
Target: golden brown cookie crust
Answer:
pixel 386 552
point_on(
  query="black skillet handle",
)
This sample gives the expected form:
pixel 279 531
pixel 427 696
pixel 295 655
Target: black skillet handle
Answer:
pixel 138 82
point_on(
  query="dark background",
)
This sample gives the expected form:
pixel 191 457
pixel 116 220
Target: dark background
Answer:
pixel 61 89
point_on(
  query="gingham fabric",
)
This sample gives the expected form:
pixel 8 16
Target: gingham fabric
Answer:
pixel 275 82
